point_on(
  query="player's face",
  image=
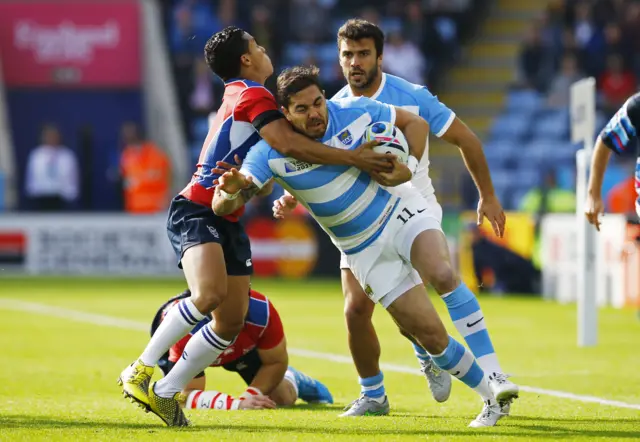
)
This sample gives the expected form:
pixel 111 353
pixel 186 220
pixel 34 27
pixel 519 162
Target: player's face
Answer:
pixel 360 62
pixel 307 111
pixel 259 58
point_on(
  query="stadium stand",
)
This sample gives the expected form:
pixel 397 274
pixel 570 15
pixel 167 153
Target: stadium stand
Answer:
pixel 303 32
pixel 567 41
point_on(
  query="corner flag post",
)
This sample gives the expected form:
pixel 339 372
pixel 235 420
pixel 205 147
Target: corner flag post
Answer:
pixel 583 119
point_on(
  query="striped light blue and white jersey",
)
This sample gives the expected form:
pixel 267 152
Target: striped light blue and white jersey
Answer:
pixel 349 205
pixel 417 100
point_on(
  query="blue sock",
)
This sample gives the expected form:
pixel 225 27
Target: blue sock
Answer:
pixel 421 353
pixel 372 387
pixel 468 318
pixel 460 363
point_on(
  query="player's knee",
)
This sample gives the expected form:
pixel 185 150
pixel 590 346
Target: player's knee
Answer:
pixel 208 296
pixel 357 310
pixel 284 395
pixel 443 278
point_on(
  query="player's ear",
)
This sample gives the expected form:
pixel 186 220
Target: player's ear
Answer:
pixel 245 59
pixel 324 94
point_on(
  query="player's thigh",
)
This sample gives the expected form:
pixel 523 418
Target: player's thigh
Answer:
pixel 357 304
pixel 206 274
pixel 196 236
pixel 230 314
pixel 414 312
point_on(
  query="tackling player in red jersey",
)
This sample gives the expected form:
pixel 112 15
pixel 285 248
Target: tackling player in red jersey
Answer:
pixel 214 252
pixel 258 355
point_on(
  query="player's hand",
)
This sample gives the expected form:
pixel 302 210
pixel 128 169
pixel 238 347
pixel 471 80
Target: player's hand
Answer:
pixel 283 206
pixel 233 181
pixel 491 209
pixel 594 207
pixel 369 161
pixel 399 175
pixel 258 402
pixel 222 166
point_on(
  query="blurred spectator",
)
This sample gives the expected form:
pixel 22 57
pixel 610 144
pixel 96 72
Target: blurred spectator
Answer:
pixel 146 173
pixel 533 61
pixel 617 84
pixel 52 176
pixel 548 198
pixel 499 269
pixel 202 97
pixel 622 197
pixel 404 59
pixel 309 20
pixel 631 33
pixel 559 92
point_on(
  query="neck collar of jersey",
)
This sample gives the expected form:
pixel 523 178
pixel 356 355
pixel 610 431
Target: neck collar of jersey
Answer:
pixel 380 88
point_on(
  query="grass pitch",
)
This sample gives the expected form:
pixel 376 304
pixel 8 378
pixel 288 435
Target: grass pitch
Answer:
pixel 58 375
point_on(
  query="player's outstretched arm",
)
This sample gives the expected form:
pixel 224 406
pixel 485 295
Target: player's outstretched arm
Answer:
pixel 274 365
pixel 233 191
pixel 470 146
pixel 281 136
pixel 196 397
pixel 594 206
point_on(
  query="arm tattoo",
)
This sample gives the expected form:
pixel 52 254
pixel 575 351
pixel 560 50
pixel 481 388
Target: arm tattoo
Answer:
pixel 249 192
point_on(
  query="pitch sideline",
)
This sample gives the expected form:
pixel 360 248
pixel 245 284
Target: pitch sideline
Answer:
pixel 128 324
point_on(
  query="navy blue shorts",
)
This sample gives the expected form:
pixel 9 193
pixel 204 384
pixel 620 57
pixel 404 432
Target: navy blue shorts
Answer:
pixel 190 224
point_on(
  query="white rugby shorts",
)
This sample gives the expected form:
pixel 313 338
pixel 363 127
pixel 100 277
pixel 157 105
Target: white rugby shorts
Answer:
pixel 384 268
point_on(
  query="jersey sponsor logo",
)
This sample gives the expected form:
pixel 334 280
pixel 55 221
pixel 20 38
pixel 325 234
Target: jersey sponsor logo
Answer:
pixel 293 165
pixel 345 137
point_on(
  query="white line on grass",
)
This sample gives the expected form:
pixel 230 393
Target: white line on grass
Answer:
pixel 128 324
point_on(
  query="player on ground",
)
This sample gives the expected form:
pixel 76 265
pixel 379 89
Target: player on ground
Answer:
pixel 619 135
pixel 387 237
pixel 361 45
pixel 213 251
pixel 258 355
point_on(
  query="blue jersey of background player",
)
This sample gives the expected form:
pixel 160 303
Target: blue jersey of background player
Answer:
pixel 620 135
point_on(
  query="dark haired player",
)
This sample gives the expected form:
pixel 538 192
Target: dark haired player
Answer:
pixel 361 47
pixel 620 135
pixel 259 355
pixel 214 251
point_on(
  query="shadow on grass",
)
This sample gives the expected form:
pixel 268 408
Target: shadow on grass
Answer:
pixel 514 429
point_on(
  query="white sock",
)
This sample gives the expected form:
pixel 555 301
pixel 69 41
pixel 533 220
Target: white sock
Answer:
pixel 291 378
pixel 202 349
pixel 180 320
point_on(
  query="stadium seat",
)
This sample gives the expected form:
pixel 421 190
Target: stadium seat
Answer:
pixel 296 53
pixel 500 153
pixel 523 101
pixel 552 124
pixel 510 127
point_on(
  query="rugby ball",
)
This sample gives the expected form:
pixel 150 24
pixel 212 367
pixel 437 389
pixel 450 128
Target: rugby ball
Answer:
pixel 391 140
